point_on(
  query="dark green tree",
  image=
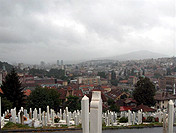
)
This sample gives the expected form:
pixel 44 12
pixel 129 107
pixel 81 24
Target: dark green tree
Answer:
pixel 113 75
pixel 114 82
pixel 113 78
pixel 12 90
pixel 144 92
pixel 112 105
pixel 43 97
pixel 73 103
pixel 101 74
pixel 168 71
pixel 5 104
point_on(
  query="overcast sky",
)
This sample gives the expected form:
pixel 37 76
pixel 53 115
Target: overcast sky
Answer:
pixel 36 30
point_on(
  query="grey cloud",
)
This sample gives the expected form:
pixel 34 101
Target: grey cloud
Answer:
pixel 85 29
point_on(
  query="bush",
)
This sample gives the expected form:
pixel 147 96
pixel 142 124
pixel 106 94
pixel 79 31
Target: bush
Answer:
pixel 123 120
pixel 150 119
pixel 56 120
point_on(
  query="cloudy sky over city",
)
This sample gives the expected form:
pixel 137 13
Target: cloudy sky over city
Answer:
pixel 36 30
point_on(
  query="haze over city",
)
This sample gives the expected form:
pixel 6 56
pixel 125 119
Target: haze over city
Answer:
pixel 32 31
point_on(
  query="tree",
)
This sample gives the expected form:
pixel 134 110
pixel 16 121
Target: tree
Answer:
pixel 6 104
pixel 168 71
pixel 113 75
pixel 73 103
pixel 114 82
pixel 101 74
pixel 12 90
pixel 112 105
pixel 43 97
pixel 144 92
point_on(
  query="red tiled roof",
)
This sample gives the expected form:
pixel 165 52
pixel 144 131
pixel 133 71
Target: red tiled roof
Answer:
pixel 69 88
pixel 78 93
pixel 125 108
pixel 128 100
pixel 85 89
pixel 104 87
pixel 123 81
pixel 62 93
pixel 27 92
pixel 86 86
pixel 164 96
pixel 145 108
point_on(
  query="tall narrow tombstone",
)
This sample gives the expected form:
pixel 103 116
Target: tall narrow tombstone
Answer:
pixel 68 120
pixel 30 113
pixel 134 118
pixel 43 119
pixel 171 117
pixel 76 120
pixel 61 114
pixel 129 117
pixel 40 115
pixel 48 115
pixel 52 113
pixel 160 116
pixel 35 114
pixel 96 112
pixel 21 117
pixel 13 115
pixel 85 114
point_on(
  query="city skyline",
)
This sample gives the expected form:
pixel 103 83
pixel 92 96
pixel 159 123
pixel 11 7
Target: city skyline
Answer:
pixel 34 31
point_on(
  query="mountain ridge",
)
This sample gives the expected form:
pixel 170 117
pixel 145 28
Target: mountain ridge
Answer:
pixel 137 55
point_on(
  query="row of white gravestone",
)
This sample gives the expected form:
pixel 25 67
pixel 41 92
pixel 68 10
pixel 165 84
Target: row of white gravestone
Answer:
pixel 47 118
pixel 134 118
pixel 38 118
pixel 110 118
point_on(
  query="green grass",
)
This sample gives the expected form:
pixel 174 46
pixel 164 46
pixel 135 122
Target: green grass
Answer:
pixel 11 125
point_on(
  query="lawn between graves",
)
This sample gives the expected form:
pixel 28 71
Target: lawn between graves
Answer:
pixel 11 126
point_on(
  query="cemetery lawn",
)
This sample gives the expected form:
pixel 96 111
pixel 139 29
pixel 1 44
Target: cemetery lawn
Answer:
pixel 155 124
pixel 11 125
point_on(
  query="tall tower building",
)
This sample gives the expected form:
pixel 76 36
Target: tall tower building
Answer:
pixel 58 63
pixel 62 62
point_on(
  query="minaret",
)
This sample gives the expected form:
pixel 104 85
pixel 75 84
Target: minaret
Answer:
pixel 174 90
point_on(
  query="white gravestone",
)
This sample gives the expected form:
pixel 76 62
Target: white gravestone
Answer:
pixel 85 114
pixel 96 112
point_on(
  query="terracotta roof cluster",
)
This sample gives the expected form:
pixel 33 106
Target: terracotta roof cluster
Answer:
pixel 129 100
pixel 78 93
pixel 114 93
pixel 145 108
pixel 164 96
pixel 62 93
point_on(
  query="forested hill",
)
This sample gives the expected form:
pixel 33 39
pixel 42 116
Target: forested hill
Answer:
pixel 7 66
